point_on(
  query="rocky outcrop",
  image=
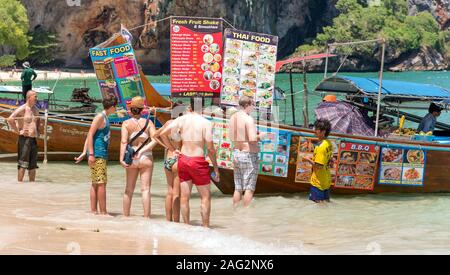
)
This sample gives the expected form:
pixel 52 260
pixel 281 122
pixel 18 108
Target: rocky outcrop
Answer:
pixel 439 8
pixel 81 27
pixel 427 59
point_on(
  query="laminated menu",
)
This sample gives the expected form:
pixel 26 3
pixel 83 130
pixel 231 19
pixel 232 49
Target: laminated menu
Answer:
pixel 249 67
pixel 357 166
pixel 274 149
pixel 402 166
pixel 305 149
pixel 196 57
pixel 117 74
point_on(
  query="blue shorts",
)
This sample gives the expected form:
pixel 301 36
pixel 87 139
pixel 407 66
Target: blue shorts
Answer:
pixel 318 195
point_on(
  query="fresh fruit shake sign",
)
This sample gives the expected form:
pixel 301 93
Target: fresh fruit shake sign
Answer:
pixel 357 166
pixel 117 73
pixel 196 57
pixel 249 67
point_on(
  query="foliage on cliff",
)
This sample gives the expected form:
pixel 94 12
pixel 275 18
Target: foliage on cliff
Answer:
pixel 13 32
pixel 390 20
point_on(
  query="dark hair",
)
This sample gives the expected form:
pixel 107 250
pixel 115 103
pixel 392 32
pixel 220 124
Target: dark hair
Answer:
pixel 109 101
pixel 136 111
pixel 323 125
pixel 196 100
pixel 245 101
pixel 434 108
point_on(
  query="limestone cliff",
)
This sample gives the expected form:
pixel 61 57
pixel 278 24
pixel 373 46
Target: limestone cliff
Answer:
pixel 83 26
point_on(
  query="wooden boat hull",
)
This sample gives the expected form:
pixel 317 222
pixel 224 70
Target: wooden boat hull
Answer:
pixel 66 139
pixel 437 173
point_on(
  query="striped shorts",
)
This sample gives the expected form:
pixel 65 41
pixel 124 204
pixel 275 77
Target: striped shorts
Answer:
pixel 246 167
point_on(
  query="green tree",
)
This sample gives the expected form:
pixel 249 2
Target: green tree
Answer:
pixel 389 20
pixel 13 31
pixel 43 46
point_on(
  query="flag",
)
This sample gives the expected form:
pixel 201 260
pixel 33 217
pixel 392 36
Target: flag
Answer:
pixel 126 33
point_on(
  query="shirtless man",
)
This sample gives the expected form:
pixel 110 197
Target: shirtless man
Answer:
pixel 25 122
pixel 244 135
pixel 195 133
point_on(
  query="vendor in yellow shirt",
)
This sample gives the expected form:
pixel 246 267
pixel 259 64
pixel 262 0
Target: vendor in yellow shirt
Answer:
pixel 321 175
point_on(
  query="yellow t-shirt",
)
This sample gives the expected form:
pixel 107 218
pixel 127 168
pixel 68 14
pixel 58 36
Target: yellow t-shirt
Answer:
pixel 322 155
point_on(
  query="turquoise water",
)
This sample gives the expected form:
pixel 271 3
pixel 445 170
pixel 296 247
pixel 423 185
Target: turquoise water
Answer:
pixel 64 88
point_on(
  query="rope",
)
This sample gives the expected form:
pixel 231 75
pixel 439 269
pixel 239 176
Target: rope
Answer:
pixel 224 20
pixel 155 22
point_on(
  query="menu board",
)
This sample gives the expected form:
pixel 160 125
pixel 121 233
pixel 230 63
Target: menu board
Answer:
pixel 357 166
pixel 222 143
pixel 274 152
pixel 306 146
pixel 117 73
pixel 274 149
pixel 249 67
pixel 402 166
pixel 196 57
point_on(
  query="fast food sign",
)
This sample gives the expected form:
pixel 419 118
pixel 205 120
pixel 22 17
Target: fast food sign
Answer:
pixel 249 67
pixel 117 74
pixel 357 166
pixel 196 57
pixel 402 166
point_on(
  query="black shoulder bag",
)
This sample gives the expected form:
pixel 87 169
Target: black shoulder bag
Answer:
pixel 129 151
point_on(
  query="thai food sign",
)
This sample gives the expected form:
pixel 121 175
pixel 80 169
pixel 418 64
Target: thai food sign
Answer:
pixel 357 166
pixel 273 149
pixel 249 67
pixel 196 57
pixel 117 74
pixel 402 166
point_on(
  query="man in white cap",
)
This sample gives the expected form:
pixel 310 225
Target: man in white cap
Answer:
pixel 27 77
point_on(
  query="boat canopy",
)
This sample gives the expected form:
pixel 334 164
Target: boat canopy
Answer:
pixel 391 89
pixel 18 90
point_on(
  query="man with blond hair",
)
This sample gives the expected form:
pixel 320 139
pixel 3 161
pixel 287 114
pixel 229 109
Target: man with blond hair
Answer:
pixel 245 137
pixel 25 122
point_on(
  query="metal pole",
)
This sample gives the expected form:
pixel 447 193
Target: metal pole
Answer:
pixel 380 87
pixel 45 136
pixel 326 63
pixel 305 97
pixel 292 97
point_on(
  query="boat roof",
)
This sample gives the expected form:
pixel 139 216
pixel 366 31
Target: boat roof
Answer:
pixel 18 90
pixel 390 88
pixel 303 58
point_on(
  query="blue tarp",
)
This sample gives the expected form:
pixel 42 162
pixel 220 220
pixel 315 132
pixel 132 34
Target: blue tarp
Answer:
pixel 391 88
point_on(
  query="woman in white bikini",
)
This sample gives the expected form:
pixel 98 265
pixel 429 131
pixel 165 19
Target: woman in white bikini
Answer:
pixel 143 161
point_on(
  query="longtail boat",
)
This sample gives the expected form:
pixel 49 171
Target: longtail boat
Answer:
pixel 67 132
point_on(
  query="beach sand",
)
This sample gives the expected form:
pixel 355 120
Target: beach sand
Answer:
pixel 47 74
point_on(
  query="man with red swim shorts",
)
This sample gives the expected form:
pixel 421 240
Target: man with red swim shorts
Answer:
pixel 195 133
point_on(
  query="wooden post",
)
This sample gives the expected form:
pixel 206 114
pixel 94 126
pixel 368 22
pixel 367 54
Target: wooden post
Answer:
pixel 383 50
pixel 45 136
pixel 292 97
pixel 305 97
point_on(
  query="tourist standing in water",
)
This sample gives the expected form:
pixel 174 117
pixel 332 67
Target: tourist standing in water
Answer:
pixel 97 146
pixel 244 135
pixel 138 132
pixel 25 122
pixel 193 169
pixel 321 175
pixel 173 146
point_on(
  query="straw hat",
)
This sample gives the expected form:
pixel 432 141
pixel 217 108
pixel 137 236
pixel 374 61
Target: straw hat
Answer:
pixel 330 98
pixel 137 102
